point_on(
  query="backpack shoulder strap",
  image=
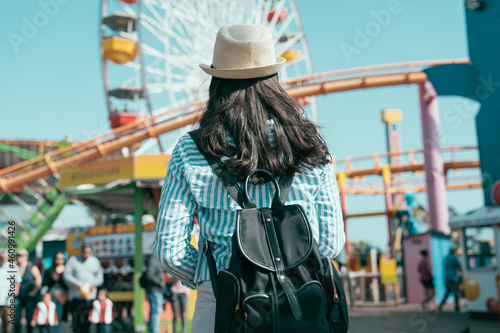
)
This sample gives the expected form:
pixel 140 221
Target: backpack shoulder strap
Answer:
pixel 227 180
pixel 285 187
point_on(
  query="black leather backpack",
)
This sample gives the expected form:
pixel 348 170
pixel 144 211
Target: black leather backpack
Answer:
pixel 276 280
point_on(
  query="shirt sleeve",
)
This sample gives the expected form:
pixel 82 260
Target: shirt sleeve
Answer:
pixel 330 221
pixel 99 278
pixel 68 274
pixel 177 206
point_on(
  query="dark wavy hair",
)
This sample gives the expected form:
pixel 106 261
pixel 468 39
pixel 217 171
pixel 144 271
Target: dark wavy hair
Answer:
pixel 54 259
pixel 242 108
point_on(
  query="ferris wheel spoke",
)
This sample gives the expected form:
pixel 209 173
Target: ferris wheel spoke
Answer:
pixel 178 63
pixel 149 50
pixel 126 8
pixel 181 42
pixel 148 69
pixel 155 71
pixel 186 12
pixel 159 74
pixel 153 26
pixel 201 45
pixel 284 25
pixel 149 23
pixel 178 86
pixel 160 4
pixel 153 77
pixel 161 23
pixel 282 47
pixel 152 10
pixel 128 82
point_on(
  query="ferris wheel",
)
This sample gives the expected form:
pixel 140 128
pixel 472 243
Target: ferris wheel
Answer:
pixel 151 50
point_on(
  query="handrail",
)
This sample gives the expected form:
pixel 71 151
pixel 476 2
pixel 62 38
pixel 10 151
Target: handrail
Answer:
pixel 408 189
pixel 46 143
pixel 410 152
pixel 365 69
pixel 353 173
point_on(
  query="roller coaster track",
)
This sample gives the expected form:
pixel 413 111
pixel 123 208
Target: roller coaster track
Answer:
pixel 411 161
pixel 18 177
pixel 50 163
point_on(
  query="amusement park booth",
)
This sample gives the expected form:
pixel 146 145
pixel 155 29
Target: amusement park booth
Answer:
pixel 437 244
pixel 479 236
pixel 128 187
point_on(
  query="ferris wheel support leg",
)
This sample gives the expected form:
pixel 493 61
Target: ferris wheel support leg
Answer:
pixel 139 325
pixel 434 168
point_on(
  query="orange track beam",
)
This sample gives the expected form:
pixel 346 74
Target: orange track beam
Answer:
pixel 339 85
pixel 351 216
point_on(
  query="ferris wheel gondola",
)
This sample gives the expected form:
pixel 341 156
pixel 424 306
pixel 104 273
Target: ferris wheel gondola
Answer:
pixel 151 50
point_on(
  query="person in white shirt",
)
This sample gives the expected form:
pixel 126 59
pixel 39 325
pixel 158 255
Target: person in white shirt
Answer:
pixel 45 317
pixel 101 313
pixel 83 275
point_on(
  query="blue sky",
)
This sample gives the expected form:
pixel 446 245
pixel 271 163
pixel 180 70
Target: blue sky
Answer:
pixel 52 85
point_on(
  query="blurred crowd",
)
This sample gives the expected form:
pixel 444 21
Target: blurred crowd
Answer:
pixel 72 295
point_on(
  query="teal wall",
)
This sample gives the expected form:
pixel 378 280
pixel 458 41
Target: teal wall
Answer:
pixel 483 30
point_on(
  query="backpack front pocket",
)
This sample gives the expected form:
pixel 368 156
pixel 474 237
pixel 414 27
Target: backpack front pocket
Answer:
pixel 312 300
pixel 228 300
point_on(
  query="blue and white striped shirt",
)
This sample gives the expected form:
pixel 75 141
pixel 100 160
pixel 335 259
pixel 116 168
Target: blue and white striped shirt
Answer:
pixel 191 187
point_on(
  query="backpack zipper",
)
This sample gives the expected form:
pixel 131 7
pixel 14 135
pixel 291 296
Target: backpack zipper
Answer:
pixel 255 295
pixel 335 295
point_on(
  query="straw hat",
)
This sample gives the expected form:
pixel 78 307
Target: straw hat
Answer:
pixel 244 52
